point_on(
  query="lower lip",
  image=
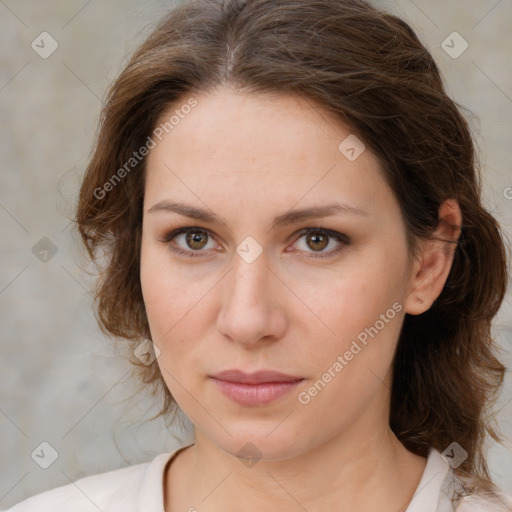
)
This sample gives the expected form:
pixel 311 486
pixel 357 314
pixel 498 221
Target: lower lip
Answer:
pixel 255 394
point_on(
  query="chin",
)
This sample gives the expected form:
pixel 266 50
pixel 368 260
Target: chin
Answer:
pixel 256 444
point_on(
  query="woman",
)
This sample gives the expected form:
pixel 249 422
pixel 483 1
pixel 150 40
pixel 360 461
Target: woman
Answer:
pixel 289 207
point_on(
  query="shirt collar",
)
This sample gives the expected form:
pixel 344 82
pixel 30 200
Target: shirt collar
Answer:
pixel 426 496
pixel 151 495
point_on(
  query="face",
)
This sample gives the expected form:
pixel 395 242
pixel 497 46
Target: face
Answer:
pixel 255 287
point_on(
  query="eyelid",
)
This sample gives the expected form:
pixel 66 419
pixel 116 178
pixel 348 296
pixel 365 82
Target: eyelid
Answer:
pixel 339 237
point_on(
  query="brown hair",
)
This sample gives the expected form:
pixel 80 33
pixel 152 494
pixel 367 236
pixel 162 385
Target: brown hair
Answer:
pixel 368 68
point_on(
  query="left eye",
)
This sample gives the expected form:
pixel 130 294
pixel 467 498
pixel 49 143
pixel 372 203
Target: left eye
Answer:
pixel 197 239
pixel 319 239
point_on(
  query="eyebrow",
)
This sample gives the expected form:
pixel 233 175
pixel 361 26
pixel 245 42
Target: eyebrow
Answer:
pixel 284 219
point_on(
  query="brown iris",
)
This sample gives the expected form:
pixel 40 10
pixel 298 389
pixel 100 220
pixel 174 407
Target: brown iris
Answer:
pixel 193 239
pixel 315 237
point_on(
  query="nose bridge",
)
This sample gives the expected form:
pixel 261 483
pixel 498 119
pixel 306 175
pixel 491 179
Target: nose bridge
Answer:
pixel 248 311
pixel 247 283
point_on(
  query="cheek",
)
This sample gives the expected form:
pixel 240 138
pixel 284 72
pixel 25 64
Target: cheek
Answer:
pixel 350 301
pixel 178 307
pixel 349 368
pixel 170 295
pixel 359 313
pixel 361 338
pixel 170 308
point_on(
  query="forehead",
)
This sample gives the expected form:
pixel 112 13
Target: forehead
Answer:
pixel 270 147
pixel 225 123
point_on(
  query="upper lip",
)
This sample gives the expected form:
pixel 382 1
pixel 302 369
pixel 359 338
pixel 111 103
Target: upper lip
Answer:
pixel 256 377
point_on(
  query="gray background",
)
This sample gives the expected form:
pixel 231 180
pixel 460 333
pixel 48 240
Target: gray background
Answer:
pixel 61 381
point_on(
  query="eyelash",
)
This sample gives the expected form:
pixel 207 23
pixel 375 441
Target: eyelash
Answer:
pixel 339 237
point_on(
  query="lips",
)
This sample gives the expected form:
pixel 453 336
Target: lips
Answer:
pixel 259 377
pixel 255 389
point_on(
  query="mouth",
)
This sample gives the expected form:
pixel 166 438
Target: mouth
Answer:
pixel 255 389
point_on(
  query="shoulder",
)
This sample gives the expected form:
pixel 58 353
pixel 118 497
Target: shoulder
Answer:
pixel 472 494
pixel 485 503
pixel 480 500
pixel 452 490
pixel 112 491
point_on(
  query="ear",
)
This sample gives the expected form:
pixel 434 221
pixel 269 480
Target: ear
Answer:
pixel 434 260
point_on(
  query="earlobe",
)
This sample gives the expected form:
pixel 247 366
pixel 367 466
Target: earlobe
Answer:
pixel 434 260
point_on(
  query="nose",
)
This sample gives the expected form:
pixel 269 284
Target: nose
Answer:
pixel 253 307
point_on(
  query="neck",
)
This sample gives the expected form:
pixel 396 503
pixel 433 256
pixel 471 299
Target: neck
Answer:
pixel 352 471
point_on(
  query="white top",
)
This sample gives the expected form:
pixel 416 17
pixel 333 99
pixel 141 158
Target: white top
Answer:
pixel 139 488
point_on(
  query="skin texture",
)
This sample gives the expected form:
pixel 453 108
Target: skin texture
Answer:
pixel 248 159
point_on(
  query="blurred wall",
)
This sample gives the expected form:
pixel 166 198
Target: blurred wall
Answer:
pixel 60 380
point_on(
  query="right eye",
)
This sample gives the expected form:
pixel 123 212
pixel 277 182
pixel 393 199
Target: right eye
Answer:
pixel 193 240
